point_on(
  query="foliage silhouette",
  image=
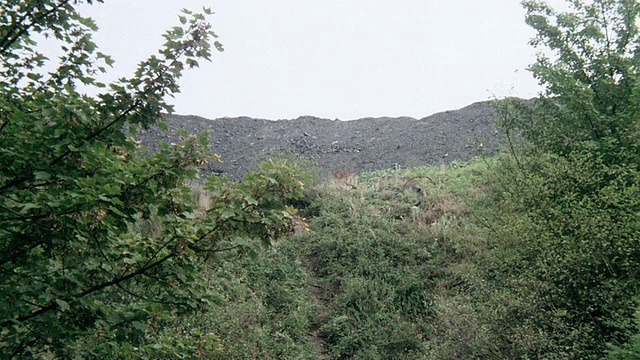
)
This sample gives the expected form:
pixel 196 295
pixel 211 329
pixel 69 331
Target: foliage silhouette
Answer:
pixel 75 192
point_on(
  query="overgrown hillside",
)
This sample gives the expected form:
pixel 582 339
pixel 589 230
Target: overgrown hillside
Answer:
pixel 418 263
pixel 109 251
pixel 391 267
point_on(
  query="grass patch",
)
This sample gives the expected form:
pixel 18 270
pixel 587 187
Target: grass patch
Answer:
pixel 430 262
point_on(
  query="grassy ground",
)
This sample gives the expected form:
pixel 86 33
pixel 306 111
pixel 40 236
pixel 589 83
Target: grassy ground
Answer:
pixel 395 253
pixel 420 263
pixel 388 270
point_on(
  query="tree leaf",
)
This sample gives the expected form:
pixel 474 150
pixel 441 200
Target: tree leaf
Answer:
pixel 41 175
pixel 64 306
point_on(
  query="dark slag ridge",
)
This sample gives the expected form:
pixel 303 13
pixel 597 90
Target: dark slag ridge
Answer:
pixel 355 146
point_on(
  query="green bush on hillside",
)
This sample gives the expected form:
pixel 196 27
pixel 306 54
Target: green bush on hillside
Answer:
pixel 100 246
pixel 572 180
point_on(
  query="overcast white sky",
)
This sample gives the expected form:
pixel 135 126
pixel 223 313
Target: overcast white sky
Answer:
pixel 343 59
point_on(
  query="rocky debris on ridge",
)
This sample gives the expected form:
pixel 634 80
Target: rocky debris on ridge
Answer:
pixel 354 146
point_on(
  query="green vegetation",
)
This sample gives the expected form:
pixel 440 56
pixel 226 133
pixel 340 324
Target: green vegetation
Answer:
pixel 100 245
pixel 575 174
pixel 104 253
